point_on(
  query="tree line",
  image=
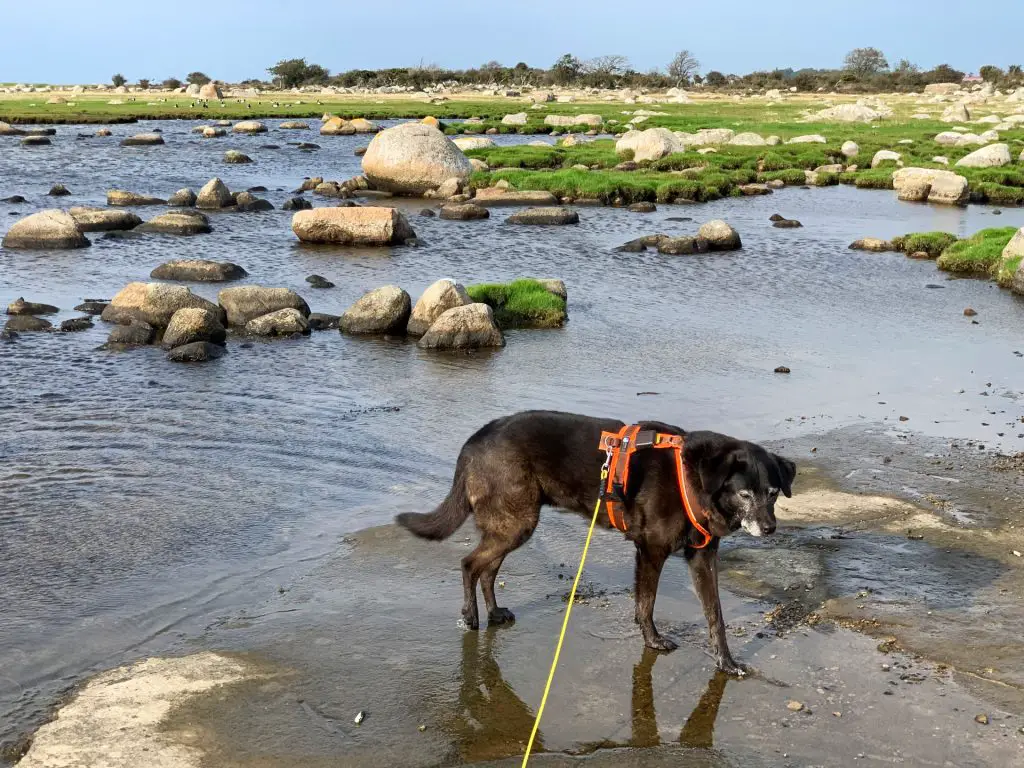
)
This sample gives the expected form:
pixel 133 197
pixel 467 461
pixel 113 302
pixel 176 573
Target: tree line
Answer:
pixel 863 70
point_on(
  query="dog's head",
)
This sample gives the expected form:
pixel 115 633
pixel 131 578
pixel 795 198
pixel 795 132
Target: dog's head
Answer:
pixel 743 481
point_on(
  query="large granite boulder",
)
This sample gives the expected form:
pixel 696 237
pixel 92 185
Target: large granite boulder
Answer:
pixel 366 225
pixel 435 301
pixel 247 302
pixel 413 158
pixel 47 230
pixel 470 326
pixel 382 310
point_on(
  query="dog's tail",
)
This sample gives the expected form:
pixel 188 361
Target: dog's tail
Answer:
pixel 446 519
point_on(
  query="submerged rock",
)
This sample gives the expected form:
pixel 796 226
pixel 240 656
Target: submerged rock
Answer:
pixel 76 324
pixel 27 323
pixel 143 140
pixel 92 307
pixel 550 215
pixel 681 246
pixel 136 334
pixel 319 321
pixel 198 270
pixel 383 310
pixel 122 197
pixel 235 157
pixel 318 281
pixel 496 196
pixel 177 223
pixel 249 127
pixel 463 212
pixel 872 244
pixel 196 352
pixel 296 204
pixel 58 190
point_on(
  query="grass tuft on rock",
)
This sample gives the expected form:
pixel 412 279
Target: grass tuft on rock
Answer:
pixel 522 303
pixel 979 254
pixel 932 243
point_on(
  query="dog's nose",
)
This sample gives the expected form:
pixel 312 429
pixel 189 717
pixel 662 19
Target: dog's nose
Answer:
pixel 769 528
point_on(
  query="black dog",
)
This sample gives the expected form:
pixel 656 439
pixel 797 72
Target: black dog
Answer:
pixel 513 466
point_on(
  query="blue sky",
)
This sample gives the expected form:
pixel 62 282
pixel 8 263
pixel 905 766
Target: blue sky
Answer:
pixel 70 41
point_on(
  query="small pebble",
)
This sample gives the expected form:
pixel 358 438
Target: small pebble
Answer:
pixel 360 716
pixel 981 719
pixel 794 706
pixel 782 369
pixel 969 312
pixel 904 418
pixel 422 728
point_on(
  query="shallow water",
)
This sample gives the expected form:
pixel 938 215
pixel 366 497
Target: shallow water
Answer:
pixel 139 500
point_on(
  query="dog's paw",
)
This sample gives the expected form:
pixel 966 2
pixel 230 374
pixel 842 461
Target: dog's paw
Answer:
pixel 734 668
pixel 661 643
pixel 470 621
pixel 500 616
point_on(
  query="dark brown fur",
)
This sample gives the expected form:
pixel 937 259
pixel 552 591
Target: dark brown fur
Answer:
pixel 515 465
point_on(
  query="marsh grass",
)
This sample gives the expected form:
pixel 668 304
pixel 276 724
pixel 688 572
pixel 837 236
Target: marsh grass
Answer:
pixel 522 303
pixel 979 254
pixel 932 243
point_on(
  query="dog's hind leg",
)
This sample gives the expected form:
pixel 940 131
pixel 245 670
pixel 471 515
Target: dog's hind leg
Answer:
pixel 495 614
pixel 649 562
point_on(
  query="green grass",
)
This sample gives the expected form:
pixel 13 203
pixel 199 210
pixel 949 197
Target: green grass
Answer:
pixel 932 243
pixel 521 304
pixel 979 254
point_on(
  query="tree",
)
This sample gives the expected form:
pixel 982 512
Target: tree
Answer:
pixel 172 83
pixel 144 84
pixel 906 67
pixel 291 73
pixel 683 67
pixel 990 73
pixel 197 78
pixel 567 69
pixel 118 80
pixel 865 62
pixel 944 74
pixel 716 79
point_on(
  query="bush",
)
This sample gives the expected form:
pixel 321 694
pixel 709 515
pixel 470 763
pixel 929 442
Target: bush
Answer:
pixel 521 304
pixel 932 243
pixel 979 254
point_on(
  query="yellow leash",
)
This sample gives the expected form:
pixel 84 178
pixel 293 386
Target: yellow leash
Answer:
pixel 565 622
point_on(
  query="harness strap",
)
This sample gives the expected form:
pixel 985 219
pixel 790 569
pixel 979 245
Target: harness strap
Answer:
pixel 620 447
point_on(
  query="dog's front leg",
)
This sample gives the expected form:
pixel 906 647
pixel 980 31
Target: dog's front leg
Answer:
pixel 648 572
pixel 704 572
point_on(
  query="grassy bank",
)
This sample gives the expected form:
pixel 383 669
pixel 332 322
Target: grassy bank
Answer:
pixel 980 255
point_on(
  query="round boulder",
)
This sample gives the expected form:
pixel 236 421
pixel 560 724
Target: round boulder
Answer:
pixel 194 324
pixel 470 326
pixel 435 301
pixel 19 323
pixel 382 310
pixel 236 157
pixel 47 230
pixel 249 127
pixel 183 198
pixel 413 158
pixel 719 235
pixel 153 303
pixel 850 149
pixel 199 271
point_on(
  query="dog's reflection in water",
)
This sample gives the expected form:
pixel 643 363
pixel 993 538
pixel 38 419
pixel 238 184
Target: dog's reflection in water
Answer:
pixel 493 722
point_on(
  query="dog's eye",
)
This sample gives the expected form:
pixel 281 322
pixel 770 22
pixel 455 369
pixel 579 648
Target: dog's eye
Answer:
pixel 745 494
pixel 773 493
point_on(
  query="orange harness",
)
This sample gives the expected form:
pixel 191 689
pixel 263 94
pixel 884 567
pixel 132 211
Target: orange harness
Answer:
pixel 619 448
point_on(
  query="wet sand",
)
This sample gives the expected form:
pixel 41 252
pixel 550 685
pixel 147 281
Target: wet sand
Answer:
pixel 375 629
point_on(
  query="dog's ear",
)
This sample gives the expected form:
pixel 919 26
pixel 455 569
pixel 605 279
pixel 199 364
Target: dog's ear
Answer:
pixel 715 467
pixel 787 473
